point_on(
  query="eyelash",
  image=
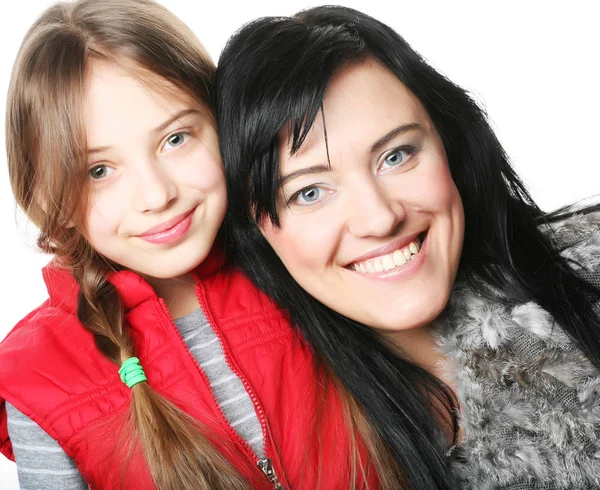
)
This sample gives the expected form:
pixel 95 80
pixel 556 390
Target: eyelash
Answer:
pixel 180 132
pixel 95 167
pixel 410 150
pixel 294 198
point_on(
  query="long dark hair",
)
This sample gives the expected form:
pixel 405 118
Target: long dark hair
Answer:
pixel 273 74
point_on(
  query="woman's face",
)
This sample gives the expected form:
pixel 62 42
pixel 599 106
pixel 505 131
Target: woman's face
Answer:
pixel 157 188
pixel 371 220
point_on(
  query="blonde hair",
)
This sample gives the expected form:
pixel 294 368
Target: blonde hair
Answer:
pixel 47 166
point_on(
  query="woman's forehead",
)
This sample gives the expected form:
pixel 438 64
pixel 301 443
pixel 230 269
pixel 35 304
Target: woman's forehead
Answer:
pixel 364 102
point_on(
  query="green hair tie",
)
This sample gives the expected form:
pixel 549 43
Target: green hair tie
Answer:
pixel 132 373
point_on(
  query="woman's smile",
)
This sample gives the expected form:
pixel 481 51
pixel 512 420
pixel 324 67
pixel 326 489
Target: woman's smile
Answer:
pixel 371 222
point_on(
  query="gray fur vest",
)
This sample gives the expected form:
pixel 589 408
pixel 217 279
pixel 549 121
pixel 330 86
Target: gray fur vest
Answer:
pixel 529 400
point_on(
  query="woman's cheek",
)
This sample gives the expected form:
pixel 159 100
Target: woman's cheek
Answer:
pixel 304 240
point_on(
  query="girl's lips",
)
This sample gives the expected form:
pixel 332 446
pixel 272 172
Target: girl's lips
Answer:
pixel 170 231
pixel 167 225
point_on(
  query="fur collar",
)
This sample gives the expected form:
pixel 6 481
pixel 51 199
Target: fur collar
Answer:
pixel 530 401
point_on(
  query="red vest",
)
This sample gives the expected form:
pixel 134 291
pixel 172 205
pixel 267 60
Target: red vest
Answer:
pixel 51 371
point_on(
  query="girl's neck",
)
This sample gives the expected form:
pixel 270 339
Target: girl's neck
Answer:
pixel 179 294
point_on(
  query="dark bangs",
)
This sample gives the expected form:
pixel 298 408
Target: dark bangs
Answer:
pixel 282 73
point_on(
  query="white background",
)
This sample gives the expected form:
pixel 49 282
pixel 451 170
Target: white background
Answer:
pixel 533 65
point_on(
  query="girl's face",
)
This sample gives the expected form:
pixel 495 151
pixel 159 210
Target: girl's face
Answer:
pixel 157 189
pixel 371 220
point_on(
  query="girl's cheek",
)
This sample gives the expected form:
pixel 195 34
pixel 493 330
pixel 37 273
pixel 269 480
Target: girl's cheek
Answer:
pixel 105 207
pixel 201 171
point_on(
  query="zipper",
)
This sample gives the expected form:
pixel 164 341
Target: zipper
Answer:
pixel 198 367
pixel 266 466
pixel 263 463
pixel 260 462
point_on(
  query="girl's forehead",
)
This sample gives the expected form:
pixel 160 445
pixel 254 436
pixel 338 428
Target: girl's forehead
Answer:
pixel 119 105
pixel 102 76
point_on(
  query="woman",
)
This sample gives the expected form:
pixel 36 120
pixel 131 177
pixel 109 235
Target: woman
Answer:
pixel 362 175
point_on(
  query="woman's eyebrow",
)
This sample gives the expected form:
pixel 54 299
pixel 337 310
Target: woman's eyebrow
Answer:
pixel 393 133
pixel 315 169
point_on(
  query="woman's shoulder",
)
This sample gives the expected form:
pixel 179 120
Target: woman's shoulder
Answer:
pixel 573 223
pixel 576 234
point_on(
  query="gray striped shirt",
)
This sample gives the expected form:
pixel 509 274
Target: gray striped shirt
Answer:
pixel 41 462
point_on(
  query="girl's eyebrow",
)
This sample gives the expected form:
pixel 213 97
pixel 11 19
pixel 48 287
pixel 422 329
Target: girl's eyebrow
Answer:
pixel 315 169
pixel 98 149
pixel 393 133
pixel 178 115
pixel 158 129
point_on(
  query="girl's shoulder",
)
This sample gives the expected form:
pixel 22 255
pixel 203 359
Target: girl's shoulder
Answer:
pixel 231 296
pixel 32 336
pixel 36 364
pixel 50 344
pixel 53 320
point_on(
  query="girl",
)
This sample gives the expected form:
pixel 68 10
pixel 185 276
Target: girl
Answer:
pixel 153 364
pixel 366 187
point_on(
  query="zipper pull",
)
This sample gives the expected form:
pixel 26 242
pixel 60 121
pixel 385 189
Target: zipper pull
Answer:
pixel 266 466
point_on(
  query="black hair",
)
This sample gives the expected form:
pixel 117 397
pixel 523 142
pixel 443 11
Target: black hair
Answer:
pixel 273 75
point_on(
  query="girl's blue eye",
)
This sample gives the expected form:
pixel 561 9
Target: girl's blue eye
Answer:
pixel 99 172
pixel 176 140
pixel 310 194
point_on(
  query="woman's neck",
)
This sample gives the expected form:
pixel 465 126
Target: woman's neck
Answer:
pixel 418 345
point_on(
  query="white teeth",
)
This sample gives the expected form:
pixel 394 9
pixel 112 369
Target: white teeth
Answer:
pixel 399 258
pixel 390 261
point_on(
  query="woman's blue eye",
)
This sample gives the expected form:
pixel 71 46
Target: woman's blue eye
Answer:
pixel 176 140
pixel 98 172
pixel 310 195
pixel 395 158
